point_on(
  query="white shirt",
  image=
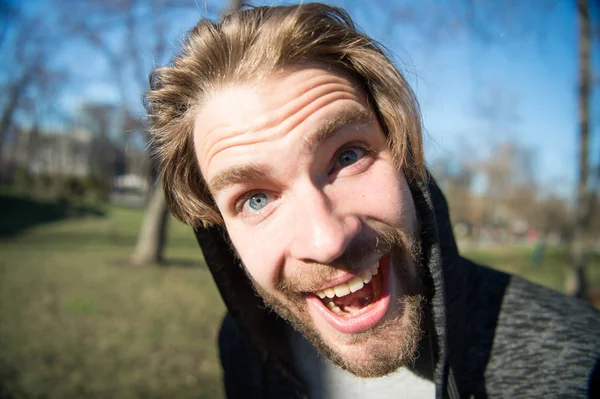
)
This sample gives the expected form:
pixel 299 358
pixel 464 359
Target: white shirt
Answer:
pixel 327 381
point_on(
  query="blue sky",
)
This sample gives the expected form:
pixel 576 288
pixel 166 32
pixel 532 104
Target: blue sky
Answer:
pixel 528 79
pixel 531 77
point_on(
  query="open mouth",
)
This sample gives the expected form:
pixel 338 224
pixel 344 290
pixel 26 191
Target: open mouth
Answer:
pixel 349 298
pixel 358 304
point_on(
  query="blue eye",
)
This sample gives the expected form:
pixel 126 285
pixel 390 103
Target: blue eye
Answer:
pixel 256 201
pixel 348 157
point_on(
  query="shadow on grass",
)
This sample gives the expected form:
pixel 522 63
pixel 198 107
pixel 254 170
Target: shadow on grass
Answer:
pixel 20 213
pixel 5 393
pixel 9 387
pixel 183 263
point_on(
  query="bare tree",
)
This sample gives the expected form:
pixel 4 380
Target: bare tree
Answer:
pixel 577 284
pixel 455 175
pixel 134 36
pixel 552 216
pixel 150 245
pixel 31 50
pixel 151 238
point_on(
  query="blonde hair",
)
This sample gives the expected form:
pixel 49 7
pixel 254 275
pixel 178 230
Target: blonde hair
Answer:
pixel 251 44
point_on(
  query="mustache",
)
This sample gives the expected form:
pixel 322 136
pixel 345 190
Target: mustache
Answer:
pixel 362 250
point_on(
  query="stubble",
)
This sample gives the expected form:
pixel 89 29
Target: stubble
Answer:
pixel 385 347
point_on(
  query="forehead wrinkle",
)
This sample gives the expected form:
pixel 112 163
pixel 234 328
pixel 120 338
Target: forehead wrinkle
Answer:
pixel 279 113
pixel 283 118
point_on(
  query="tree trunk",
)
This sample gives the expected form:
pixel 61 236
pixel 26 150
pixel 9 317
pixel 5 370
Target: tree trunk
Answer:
pixel 576 284
pixel 152 236
pixel 14 94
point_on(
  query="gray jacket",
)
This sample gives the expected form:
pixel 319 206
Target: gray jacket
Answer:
pixel 495 335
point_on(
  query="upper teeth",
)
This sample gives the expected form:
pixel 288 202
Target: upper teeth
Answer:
pixel 353 285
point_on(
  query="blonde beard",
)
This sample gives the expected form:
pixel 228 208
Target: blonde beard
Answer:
pixel 383 348
pixel 391 344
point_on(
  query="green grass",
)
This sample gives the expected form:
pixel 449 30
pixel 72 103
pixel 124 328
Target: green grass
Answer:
pixel 74 322
pixel 551 272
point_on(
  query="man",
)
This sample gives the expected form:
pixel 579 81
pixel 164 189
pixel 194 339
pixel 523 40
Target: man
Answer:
pixel 292 144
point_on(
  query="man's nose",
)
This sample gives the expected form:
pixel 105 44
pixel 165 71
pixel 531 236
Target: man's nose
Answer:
pixel 322 231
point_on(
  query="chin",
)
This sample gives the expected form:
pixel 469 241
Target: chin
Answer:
pixel 381 350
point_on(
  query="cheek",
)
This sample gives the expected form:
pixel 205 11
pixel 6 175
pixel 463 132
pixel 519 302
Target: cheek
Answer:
pixel 258 252
pixel 382 195
pixel 399 197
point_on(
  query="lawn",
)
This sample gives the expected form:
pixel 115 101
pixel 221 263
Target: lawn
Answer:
pixel 76 322
pixel 551 270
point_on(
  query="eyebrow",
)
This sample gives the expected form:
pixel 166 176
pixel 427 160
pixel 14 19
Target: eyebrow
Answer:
pixel 240 174
pixel 236 175
pixel 347 116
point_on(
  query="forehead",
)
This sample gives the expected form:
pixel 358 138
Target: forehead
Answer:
pixel 248 112
pixel 249 98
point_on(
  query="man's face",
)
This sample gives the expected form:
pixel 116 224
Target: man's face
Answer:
pixel 322 220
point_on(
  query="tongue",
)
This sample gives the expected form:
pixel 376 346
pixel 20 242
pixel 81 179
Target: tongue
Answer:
pixel 356 300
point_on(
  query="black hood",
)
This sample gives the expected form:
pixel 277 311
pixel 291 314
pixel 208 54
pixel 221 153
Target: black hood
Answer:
pixel 265 330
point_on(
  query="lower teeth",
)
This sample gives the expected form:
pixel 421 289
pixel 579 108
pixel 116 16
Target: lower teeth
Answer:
pixel 334 308
pixel 338 311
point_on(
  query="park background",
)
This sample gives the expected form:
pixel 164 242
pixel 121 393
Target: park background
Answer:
pixel 103 294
